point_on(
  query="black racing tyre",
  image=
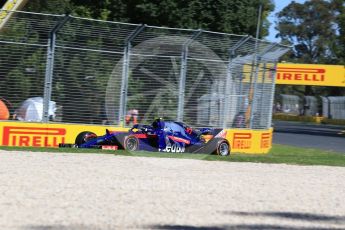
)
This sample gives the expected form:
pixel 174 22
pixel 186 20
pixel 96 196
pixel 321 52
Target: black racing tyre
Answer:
pixel 84 137
pixel 223 148
pixel 131 143
pixel 216 146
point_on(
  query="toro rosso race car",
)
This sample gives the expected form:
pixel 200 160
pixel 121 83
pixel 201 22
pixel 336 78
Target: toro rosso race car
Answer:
pixel 162 136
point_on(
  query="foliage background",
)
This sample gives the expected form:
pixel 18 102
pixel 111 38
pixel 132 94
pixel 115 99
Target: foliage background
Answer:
pixel 315 29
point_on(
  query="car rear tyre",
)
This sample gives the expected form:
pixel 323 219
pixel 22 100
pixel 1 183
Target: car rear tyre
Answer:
pixel 131 143
pixel 84 137
pixel 223 148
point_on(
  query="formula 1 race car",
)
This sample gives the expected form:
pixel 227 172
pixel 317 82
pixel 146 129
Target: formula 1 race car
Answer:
pixel 162 136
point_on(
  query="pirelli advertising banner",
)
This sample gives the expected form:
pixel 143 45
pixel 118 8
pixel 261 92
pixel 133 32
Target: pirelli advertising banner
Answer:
pixel 309 74
pixel 50 135
pixel 250 141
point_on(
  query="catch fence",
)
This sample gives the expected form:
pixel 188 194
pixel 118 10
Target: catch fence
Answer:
pixel 99 72
pixel 332 107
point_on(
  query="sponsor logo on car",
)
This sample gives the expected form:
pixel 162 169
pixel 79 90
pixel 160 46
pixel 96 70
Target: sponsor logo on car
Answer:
pixel 33 136
pixel 173 148
pixel 110 147
pixel 178 139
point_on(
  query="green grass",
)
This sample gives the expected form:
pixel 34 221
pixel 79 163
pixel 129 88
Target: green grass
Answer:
pixel 280 154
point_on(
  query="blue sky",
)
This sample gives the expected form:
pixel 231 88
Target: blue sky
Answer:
pixel 280 4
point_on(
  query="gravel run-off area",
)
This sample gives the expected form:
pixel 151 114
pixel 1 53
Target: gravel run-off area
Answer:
pixel 51 191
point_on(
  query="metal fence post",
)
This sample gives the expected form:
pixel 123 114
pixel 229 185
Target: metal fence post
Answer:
pixel 183 74
pixel 232 54
pixel 273 74
pixel 256 75
pixel 125 72
pixel 50 67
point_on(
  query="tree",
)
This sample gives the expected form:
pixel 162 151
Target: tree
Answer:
pixel 232 16
pixel 310 28
pixel 316 31
pixel 340 20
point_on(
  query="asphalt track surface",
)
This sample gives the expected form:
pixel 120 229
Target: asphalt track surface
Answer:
pixel 327 137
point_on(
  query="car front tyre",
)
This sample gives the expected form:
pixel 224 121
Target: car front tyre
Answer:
pixel 131 143
pixel 84 137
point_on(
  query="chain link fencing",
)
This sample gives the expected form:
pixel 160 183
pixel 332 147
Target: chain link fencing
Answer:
pixel 296 105
pixel 99 72
pixel 289 104
pixel 332 107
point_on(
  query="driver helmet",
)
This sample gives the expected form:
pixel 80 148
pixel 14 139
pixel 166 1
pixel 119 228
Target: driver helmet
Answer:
pixel 189 130
pixel 158 123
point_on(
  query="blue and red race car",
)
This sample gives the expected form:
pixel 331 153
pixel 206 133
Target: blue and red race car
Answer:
pixel 162 136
